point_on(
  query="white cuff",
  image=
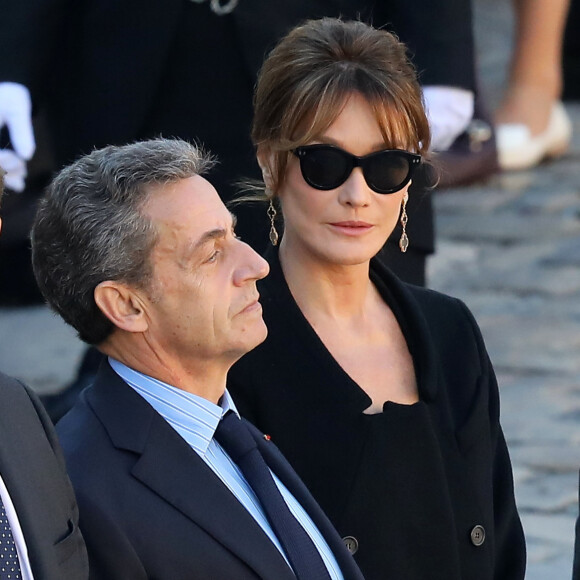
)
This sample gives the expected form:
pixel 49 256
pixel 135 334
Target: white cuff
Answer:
pixel 449 110
pixel 16 114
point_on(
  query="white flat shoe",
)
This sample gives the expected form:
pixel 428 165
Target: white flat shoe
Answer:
pixel 518 149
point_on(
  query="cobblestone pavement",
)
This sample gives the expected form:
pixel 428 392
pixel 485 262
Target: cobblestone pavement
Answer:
pixel 510 249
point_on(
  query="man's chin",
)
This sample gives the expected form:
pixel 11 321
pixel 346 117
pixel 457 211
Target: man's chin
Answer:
pixel 260 334
pixel 253 337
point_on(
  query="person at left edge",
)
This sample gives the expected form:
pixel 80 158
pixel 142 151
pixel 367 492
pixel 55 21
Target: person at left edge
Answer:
pixel 576 564
pixel 36 494
pixel 134 249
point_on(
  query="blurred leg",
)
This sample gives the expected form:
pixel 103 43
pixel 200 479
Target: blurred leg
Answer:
pixel 535 81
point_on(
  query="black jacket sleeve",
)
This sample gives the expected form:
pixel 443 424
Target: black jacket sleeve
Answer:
pixel 509 549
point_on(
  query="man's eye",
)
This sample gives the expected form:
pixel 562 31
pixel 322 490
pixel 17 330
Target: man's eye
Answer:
pixel 213 257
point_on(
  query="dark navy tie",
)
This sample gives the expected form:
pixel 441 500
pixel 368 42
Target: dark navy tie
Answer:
pixel 238 443
pixel 9 564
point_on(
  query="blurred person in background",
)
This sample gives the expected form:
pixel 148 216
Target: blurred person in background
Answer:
pixel 571 57
pixel 113 72
pixel 532 124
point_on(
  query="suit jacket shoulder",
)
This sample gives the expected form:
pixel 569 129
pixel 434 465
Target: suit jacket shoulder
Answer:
pixel 33 469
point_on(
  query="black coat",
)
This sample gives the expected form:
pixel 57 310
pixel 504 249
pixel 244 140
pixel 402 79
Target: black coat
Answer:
pixel 576 565
pixel 152 508
pixel 32 468
pixel 412 483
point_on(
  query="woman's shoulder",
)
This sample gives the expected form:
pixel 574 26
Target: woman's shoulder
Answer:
pixel 432 319
pixel 441 308
pixel 431 303
pixel 443 331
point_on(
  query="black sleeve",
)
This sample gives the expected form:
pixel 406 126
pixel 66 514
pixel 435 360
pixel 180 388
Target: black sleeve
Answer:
pixel 29 33
pixel 510 550
pixel 46 425
pixel 576 570
pixel 439 34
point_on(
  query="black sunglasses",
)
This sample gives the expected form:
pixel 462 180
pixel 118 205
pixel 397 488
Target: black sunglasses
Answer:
pixel 328 167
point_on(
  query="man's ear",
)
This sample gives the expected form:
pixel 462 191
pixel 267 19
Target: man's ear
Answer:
pixel 265 161
pixel 122 305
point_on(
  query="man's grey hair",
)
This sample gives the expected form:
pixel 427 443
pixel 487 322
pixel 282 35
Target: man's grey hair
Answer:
pixel 89 226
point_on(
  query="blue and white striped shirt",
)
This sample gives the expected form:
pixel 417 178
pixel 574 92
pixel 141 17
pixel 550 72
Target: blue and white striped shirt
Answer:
pixel 196 420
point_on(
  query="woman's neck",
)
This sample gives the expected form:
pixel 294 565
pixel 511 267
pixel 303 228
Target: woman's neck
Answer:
pixel 324 289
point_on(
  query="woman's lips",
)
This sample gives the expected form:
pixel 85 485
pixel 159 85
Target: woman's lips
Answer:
pixel 352 228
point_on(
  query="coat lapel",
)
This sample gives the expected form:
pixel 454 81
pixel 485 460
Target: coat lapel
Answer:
pixel 168 466
pixel 413 324
pixel 292 481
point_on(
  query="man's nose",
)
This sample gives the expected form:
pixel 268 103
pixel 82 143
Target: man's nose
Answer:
pixel 252 265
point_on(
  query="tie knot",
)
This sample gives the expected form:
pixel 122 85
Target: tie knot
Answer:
pixel 234 436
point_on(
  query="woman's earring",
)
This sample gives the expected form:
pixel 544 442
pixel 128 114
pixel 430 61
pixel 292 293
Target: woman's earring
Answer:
pixel 272 215
pixel 404 241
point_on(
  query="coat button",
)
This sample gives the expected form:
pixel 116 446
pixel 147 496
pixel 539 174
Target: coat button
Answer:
pixel 477 535
pixel 351 544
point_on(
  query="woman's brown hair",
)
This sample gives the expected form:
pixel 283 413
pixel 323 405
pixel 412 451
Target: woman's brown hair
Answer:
pixel 307 78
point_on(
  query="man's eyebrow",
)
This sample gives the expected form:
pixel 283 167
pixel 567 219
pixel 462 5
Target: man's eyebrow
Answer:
pixel 210 235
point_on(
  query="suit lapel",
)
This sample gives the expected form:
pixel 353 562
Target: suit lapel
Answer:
pixel 169 467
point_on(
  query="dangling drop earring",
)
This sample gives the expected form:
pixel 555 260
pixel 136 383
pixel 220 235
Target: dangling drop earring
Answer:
pixel 272 215
pixel 404 241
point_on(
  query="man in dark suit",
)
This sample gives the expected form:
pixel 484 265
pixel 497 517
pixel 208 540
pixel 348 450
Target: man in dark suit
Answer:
pixel 38 510
pixel 134 249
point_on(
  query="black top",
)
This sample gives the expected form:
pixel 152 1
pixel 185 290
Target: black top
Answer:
pixel 413 483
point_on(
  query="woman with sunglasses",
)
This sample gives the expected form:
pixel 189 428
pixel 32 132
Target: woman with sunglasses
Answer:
pixel 381 394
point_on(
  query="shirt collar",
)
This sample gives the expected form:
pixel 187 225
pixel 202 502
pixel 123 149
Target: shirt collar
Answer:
pixel 192 416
